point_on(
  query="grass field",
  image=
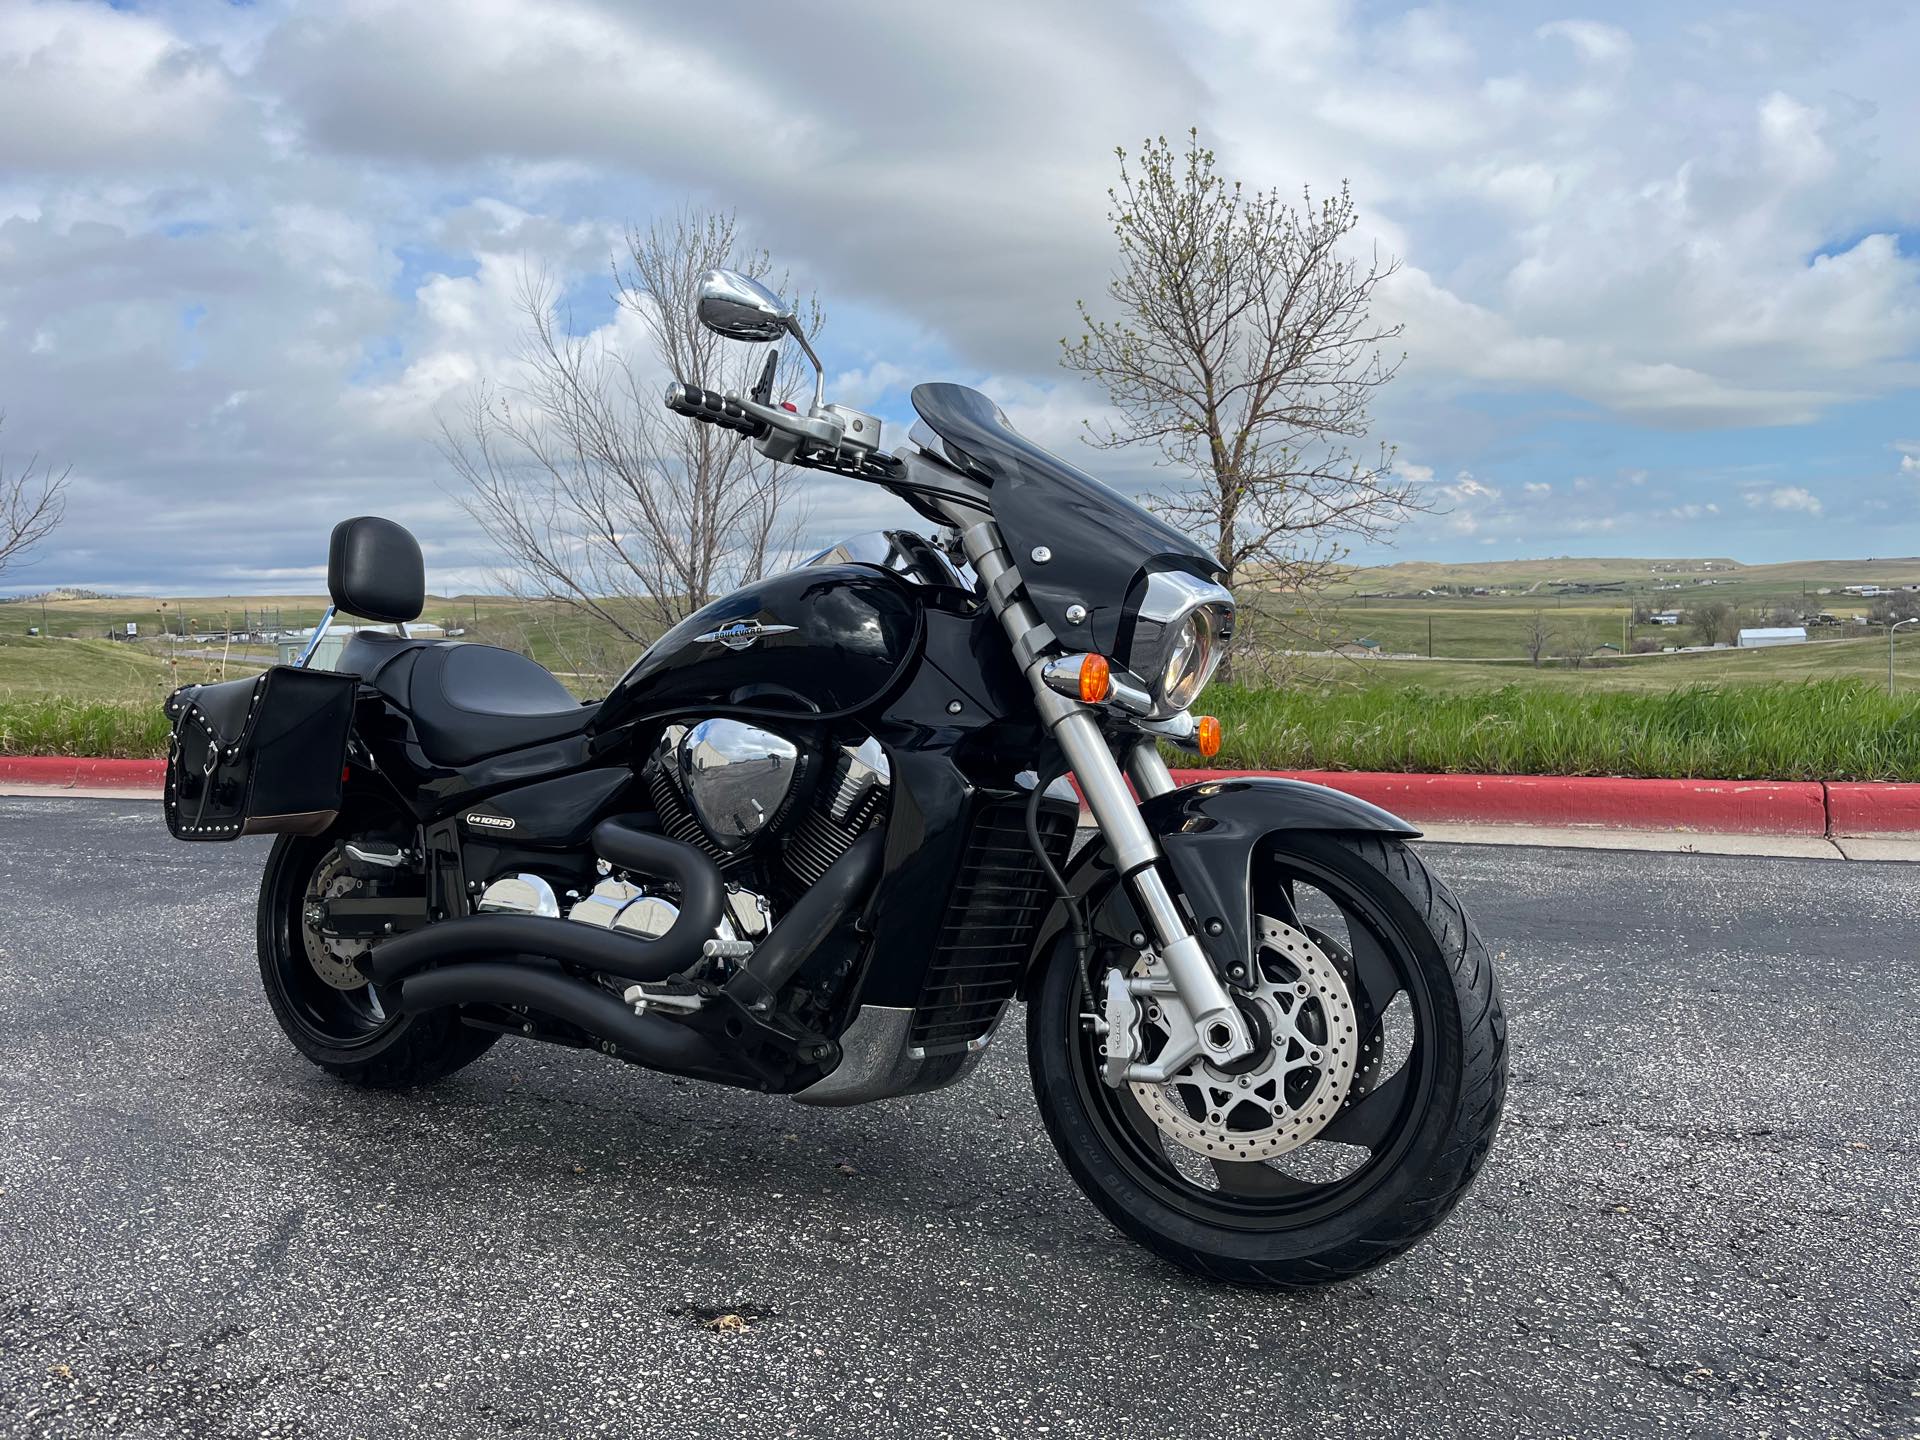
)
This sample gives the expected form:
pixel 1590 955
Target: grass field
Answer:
pixel 1824 730
pixel 1816 710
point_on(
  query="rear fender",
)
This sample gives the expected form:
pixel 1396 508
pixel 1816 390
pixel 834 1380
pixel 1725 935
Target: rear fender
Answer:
pixel 1209 833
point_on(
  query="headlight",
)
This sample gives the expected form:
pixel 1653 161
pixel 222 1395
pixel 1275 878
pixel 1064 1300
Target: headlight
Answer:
pixel 1179 633
pixel 1190 659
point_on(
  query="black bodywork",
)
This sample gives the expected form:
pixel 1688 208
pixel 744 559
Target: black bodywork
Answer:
pixel 839 653
pixel 892 958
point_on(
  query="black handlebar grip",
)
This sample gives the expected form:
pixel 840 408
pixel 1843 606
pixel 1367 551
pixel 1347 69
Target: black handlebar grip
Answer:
pixel 684 399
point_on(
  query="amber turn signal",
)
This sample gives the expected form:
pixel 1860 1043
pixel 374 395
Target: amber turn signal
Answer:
pixel 1206 735
pixel 1096 679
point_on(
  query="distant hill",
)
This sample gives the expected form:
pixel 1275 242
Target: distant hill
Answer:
pixel 1413 576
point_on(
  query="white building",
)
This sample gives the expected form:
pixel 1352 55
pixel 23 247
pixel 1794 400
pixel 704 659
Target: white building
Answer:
pixel 1763 636
pixel 1665 617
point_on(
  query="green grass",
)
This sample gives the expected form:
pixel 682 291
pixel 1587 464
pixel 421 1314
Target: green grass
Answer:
pixel 1821 730
pixel 1812 711
pixel 67 726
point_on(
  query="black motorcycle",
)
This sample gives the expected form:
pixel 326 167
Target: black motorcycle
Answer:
pixel 819 837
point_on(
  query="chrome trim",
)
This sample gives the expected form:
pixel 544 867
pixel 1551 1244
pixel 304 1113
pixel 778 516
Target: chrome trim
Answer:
pixel 602 906
pixel 386 859
pixel 319 634
pixel 647 916
pixel 739 307
pixel 1149 770
pixel 742 634
pixel 521 894
pixel 1062 674
pixel 868 769
pixel 736 776
pixel 1171 598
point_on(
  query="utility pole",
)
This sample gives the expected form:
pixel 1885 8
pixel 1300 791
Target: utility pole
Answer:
pixel 1429 637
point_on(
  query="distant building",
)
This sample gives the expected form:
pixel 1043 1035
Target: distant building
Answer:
pixel 1762 636
pixel 1665 617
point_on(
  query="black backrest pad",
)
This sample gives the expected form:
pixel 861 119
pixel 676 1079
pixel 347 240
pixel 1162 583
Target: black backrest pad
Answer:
pixel 374 570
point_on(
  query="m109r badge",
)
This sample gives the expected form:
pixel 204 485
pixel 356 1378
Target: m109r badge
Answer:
pixel 484 821
pixel 740 634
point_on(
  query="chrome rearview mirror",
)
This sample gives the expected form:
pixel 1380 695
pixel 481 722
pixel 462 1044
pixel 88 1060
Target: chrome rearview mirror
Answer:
pixel 741 308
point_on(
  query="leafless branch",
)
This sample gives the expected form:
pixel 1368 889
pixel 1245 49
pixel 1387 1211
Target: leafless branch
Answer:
pixel 602 499
pixel 1243 349
pixel 33 501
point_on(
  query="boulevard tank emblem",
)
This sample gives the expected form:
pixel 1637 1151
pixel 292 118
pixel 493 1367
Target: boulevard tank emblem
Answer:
pixel 741 634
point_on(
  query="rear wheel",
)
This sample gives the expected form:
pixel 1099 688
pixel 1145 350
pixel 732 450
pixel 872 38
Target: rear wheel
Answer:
pixel 1358 1126
pixel 333 1017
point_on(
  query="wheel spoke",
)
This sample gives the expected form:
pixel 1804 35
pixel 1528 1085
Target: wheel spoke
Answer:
pixel 1255 1180
pixel 1373 969
pixel 1279 901
pixel 1369 1120
pixel 1138 1120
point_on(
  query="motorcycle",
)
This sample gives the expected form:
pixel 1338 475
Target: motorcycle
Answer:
pixel 819 838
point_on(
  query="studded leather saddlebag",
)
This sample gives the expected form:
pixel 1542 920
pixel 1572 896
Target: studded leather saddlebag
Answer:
pixel 262 756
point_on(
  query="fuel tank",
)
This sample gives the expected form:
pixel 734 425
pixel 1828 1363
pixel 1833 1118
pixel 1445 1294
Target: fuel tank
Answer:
pixel 823 640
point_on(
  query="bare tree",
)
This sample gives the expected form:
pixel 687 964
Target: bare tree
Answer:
pixel 600 497
pixel 1715 622
pixel 1577 644
pixel 33 501
pixel 1539 636
pixel 1244 350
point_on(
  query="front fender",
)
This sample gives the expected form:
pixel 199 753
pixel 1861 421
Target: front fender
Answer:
pixel 1209 831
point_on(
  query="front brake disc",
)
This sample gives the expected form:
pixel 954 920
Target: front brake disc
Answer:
pixel 1296 1088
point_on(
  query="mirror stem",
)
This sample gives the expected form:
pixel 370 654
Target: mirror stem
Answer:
pixel 819 371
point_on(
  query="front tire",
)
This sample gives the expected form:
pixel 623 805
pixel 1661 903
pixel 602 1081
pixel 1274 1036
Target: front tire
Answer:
pixel 344 1031
pixel 1408 1139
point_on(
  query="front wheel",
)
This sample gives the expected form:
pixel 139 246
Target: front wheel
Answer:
pixel 1361 1120
pixel 329 1012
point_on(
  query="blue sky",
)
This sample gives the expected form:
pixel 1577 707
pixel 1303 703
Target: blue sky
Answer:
pixel 1660 264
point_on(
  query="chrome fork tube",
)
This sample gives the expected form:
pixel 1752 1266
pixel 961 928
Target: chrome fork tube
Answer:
pixel 1220 1028
pixel 1149 770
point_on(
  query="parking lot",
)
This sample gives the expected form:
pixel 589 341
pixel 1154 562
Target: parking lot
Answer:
pixel 1700 1218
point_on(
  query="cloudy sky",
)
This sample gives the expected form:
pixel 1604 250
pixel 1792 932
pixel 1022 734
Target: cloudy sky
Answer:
pixel 1661 280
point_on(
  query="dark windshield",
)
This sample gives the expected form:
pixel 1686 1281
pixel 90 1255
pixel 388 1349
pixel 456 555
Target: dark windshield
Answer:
pixel 1101 544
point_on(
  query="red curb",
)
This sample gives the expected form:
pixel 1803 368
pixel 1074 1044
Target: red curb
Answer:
pixel 72 771
pixel 1749 807
pixel 1743 807
pixel 1861 808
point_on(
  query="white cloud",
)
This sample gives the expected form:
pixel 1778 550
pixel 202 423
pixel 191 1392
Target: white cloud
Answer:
pixel 1598 43
pixel 1689 227
pixel 1539 487
pixel 1785 497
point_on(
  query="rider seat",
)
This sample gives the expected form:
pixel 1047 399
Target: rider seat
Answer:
pixel 467 701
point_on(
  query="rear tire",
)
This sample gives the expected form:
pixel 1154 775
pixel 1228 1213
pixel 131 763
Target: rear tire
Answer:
pixel 344 1033
pixel 1431 1120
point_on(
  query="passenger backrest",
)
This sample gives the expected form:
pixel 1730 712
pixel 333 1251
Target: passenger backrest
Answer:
pixel 374 570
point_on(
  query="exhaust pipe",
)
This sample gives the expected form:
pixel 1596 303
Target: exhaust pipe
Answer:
pixel 483 937
pixel 656 1043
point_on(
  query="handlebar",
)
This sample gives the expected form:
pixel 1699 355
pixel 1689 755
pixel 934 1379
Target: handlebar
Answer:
pixel 715 409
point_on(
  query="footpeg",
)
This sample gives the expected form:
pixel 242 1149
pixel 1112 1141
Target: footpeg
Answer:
pixel 655 997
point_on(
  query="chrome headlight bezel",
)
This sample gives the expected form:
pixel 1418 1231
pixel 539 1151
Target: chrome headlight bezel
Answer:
pixel 1180 631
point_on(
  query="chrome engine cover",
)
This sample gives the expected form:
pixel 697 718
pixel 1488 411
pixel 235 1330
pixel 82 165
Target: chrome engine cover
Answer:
pixel 736 776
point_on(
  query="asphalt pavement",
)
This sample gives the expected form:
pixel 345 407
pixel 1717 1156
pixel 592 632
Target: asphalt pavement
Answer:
pixel 1701 1218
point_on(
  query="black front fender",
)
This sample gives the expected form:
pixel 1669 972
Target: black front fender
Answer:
pixel 1209 832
